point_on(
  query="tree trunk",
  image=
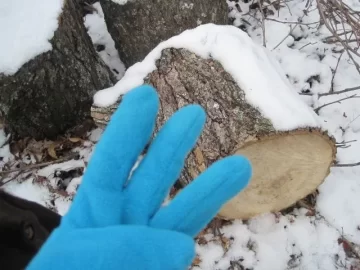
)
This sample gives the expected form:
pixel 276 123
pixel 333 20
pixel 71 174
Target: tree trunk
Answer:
pixel 53 91
pixel 287 166
pixel 138 26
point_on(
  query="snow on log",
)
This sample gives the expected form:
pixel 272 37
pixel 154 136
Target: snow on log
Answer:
pixel 138 26
pixel 251 110
pixel 49 70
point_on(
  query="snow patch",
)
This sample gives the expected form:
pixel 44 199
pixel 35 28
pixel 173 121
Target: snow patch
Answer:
pixel 28 191
pixel 5 154
pixel 268 242
pixel 103 42
pixel 26 28
pixel 120 2
pixel 251 65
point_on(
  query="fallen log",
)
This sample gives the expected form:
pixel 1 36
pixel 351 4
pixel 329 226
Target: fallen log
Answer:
pixel 265 120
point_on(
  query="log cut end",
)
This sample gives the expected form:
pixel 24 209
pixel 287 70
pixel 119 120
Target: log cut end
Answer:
pixel 286 168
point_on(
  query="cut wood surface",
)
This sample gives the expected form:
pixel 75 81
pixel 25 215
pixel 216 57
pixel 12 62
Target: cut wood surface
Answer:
pixel 287 164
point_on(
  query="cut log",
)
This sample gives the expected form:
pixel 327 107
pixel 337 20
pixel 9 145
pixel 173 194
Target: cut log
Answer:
pixel 138 26
pixel 53 91
pixel 290 154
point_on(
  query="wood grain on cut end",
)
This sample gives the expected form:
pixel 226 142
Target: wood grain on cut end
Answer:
pixel 286 168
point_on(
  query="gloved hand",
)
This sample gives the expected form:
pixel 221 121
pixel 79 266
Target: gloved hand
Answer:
pixel 119 223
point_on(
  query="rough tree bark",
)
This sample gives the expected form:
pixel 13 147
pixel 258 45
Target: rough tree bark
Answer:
pixel 139 26
pixel 287 166
pixel 53 91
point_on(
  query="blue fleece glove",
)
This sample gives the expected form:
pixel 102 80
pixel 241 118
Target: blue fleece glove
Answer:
pixel 118 223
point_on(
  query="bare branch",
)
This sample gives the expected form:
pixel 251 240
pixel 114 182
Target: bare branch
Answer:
pixel 337 101
pixel 334 12
pixel 343 142
pixel 40 165
pixel 352 121
pixel 333 77
pixel 289 34
pixel 333 93
pixel 270 19
pixel 343 146
pixel 292 28
pixel 310 43
pixel 346 164
pixel 11 179
pixel 262 23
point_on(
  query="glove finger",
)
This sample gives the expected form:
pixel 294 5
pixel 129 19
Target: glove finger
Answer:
pixel 116 247
pixel 162 165
pixel 194 207
pixel 98 200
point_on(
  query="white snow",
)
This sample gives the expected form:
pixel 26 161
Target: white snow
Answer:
pixel 95 134
pixel 120 2
pixel 259 75
pixel 5 154
pixel 97 30
pixel 26 28
pixel 3 137
pixel 29 191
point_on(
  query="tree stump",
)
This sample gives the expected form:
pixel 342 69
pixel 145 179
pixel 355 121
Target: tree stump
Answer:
pixel 53 92
pixel 138 26
pixel 287 165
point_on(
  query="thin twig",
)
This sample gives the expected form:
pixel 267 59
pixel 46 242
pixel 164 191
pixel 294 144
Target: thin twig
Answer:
pixel 333 93
pixel 333 77
pixel 292 28
pixel 11 179
pixel 347 164
pixel 40 165
pixel 337 101
pixel 262 23
pixel 331 40
pixel 289 34
pixel 6 141
pixel 333 12
pixel 302 47
pixel 343 146
pixel 354 248
pixel 344 142
pixel 352 121
pixel 270 19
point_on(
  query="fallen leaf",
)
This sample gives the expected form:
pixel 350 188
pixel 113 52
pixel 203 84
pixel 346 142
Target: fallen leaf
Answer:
pixel 202 241
pixel 225 243
pixel 197 260
pixel 51 151
pixel 75 139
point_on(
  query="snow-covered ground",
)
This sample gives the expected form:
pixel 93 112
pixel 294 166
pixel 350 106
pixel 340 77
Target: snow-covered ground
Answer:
pixel 21 41
pixel 301 239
